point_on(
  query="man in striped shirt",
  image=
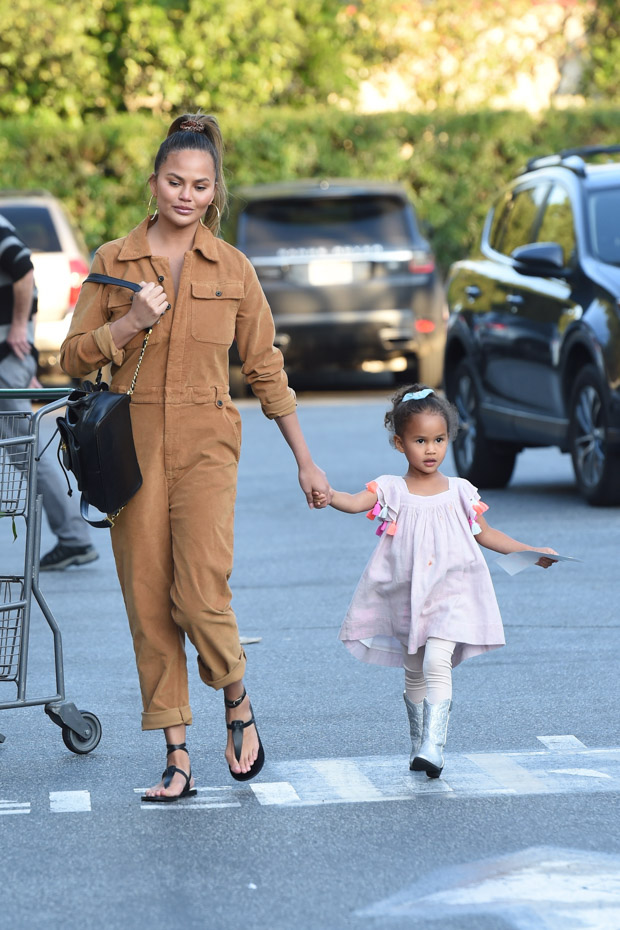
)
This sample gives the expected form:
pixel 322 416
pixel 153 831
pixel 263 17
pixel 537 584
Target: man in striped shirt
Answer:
pixel 18 366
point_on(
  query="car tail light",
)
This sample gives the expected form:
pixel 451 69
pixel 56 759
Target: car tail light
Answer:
pixel 421 262
pixel 424 326
pixel 78 269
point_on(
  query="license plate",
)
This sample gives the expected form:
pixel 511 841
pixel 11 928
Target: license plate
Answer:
pixel 330 272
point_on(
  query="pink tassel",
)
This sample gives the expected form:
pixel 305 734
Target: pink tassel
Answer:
pixel 391 529
pixel 382 528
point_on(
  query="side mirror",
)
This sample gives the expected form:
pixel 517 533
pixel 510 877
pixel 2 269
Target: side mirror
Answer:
pixel 540 258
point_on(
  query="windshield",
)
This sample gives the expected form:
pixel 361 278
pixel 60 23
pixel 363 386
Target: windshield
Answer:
pixel 330 223
pixel 34 225
pixel 603 214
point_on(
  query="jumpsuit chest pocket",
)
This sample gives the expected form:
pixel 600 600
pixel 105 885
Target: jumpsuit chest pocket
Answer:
pixel 119 305
pixel 214 311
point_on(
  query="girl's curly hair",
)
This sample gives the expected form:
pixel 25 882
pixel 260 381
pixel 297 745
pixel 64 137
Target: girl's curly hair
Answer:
pixel 396 418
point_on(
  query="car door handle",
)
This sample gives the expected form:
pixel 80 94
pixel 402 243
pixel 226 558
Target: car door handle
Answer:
pixel 473 291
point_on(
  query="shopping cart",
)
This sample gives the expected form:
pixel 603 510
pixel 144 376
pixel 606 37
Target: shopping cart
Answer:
pixel 19 444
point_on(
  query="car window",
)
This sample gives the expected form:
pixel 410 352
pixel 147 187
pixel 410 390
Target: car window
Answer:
pixel 34 225
pixel 557 223
pixel 517 225
pixel 603 212
pixel 268 226
pixel 499 220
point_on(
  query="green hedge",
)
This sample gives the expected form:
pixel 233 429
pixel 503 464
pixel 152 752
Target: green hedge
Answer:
pixel 452 164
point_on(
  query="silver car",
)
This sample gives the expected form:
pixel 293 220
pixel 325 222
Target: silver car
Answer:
pixel 61 263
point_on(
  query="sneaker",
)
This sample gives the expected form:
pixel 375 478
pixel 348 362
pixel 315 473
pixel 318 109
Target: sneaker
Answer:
pixel 62 556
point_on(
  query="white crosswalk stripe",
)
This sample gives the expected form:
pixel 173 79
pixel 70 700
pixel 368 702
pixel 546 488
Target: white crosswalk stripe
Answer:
pixel 564 766
pixel 69 802
pixel 14 807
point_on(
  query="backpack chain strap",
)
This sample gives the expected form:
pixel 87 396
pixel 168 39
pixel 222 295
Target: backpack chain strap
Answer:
pixel 144 344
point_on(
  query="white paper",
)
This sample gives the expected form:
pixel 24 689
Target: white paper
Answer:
pixel 515 562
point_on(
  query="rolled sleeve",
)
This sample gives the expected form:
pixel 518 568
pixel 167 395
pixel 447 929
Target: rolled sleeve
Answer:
pixel 263 363
pixel 105 344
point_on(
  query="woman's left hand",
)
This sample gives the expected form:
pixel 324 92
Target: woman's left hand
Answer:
pixel 314 483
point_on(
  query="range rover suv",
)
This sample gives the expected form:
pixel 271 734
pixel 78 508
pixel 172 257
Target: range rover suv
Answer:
pixel 533 344
pixel 350 278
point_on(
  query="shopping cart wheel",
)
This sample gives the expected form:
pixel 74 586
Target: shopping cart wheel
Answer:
pixel 80 744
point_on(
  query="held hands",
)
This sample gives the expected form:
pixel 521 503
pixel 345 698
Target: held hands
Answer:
pixel 315 486
pixel 319 499
pixel 148 305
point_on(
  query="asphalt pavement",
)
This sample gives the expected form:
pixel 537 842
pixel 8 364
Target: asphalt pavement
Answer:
pixel 521 831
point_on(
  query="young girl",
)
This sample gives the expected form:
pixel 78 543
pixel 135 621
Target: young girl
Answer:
pixel 425 600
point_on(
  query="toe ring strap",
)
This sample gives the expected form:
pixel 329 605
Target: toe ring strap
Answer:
pixel 237 727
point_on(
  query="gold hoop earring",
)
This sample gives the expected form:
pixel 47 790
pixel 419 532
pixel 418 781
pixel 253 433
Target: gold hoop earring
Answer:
pixel 219 215
pixel 148 209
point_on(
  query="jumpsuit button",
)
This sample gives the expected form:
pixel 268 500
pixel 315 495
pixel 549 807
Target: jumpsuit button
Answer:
pixel 169 307
pixel 218 293
pixel 220 403
pixel 160 278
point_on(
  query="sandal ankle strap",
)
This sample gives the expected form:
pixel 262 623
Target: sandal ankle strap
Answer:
pixel 173 747
pixel 232 704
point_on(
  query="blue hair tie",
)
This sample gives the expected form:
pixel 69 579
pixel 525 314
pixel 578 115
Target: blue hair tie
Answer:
pixel 417 395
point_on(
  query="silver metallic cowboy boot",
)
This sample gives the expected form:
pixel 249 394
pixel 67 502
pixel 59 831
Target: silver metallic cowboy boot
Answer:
pixel 415 712
pixel 429 758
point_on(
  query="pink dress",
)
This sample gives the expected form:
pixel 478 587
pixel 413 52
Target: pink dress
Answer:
pixel 426 577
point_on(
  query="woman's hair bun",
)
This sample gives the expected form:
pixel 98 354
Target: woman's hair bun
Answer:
pixel 189 122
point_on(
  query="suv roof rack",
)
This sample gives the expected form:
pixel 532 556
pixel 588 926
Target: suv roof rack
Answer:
pixel 573 159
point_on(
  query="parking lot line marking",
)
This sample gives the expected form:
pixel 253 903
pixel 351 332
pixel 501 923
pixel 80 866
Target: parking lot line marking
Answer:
pixel 275 792
pixel 561 743
pixel 508 773
pixel 208 798
pixel 188 804
pixel 14 807
pixel 565 769
pixel 69 802
pixel 345 779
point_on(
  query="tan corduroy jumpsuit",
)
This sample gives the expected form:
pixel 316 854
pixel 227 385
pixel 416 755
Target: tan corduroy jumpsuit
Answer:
pixel 173 543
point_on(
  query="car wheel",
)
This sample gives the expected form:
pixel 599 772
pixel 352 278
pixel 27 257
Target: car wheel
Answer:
pixel 596 465
pixel 486 463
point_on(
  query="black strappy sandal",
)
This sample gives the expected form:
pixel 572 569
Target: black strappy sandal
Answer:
pixel 237 727
pixel 167 778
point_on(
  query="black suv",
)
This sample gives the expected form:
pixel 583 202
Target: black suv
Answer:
pixel 349 277
pixel 533 344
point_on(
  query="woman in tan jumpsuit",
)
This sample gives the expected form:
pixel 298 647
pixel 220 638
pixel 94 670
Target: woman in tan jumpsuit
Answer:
pixel 173 542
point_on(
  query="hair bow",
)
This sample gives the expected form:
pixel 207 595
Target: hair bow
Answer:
pixel 417 395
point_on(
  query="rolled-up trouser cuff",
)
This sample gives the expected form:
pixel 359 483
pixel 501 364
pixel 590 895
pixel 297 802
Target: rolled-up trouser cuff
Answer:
pixel 167 718
pixel 235 674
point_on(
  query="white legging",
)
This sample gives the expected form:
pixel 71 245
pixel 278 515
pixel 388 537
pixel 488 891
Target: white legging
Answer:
pixel 428 672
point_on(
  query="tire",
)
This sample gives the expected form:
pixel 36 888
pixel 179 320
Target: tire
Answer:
pixel 595 463
pixel 78 744
pixel 486 463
